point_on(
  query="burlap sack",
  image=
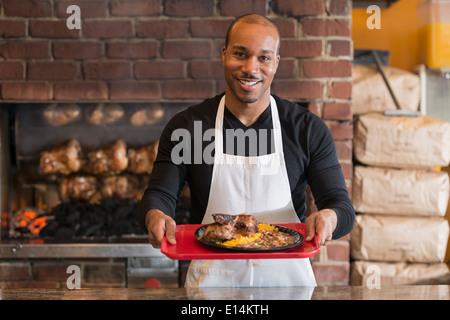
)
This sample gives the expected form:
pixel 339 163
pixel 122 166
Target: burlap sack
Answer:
pixel 418 192
pixel 362 273
pixel 402 142
pixel 399 239
pixel 370 93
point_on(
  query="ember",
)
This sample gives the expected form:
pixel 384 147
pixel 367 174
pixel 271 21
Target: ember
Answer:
pixel 29 222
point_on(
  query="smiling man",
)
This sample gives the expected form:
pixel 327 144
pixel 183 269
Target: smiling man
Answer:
pixel 293 142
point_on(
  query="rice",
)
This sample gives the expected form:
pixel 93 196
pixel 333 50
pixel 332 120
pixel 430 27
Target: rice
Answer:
pixel 245 240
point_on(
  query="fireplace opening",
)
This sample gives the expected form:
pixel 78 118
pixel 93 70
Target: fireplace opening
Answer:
pixel 78 170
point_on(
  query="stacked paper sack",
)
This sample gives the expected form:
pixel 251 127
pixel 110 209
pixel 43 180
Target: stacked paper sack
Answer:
pixel 401 197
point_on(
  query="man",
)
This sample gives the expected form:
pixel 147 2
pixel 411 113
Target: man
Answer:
pixel 294 149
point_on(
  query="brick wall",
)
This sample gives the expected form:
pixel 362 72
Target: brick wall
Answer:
pixel 170 50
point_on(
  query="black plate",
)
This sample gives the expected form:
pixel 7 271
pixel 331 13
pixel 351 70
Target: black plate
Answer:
pixel 297 236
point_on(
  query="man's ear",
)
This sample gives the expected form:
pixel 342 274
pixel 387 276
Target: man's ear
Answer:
pixel 224 51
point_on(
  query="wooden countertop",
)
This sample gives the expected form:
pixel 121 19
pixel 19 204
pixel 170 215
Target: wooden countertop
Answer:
pixel 422 292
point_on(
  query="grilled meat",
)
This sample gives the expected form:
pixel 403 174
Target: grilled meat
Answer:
pixel 111 159
pixel 61 114
pixel 78 187
pixel 104 113
pixel 227 227
pixel 62 159
pixel 141 160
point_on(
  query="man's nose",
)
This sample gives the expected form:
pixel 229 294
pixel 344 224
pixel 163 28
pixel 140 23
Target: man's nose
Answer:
pixel 251 66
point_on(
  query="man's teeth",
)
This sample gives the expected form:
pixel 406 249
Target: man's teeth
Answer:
pixel 248 83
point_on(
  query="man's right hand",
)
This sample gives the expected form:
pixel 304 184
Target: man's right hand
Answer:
pixel 159 224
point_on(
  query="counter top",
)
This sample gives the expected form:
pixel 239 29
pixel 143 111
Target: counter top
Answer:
pixel 422 292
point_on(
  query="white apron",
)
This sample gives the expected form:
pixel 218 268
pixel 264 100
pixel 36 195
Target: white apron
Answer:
pixel 258 186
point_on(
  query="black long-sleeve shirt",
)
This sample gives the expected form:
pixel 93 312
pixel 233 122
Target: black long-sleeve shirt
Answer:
pixel 309 154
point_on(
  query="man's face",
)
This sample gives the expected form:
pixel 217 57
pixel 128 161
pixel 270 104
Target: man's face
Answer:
pixel 250 61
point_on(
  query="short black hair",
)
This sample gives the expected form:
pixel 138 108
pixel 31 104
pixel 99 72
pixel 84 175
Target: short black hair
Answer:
pixel 252 18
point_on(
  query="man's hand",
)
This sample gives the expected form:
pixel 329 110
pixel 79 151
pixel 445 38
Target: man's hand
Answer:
pixel 323 223
pixel 159 224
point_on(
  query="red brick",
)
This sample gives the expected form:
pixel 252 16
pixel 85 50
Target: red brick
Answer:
pixel 343 150
pixel 340 7
pixel 88 8
pixel 77 50
pixel 331 273
pixel 341 90
pixel 48 271
pixel 287 68
pixel 134 7
pixel 159 70
pixel 52 29
pixel 25 49
pixel 12 70
pixel 299 7
pixel 326 69
pixel 326 27
pixel 108 29
pixel 210 27
pixel 132 50
pixel 10 271
pixel 107 70
pixel 188 89
pixel 294 89
pixel 26 91
pixel 163 29
pixel 287 27
pixel 53 70
pixel 134 91
pixel 347 170
pixel 341 130
pixel 12 29
pixel 340 48
pixel 189 8
pixel 206 69
pixel 301 48
pixel 238 8
pixel 337 111
pixel 186 49
pixel 27 8
pixel 79 91
pixel 314 107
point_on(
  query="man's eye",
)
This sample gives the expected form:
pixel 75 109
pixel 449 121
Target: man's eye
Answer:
pixel 239 54
pixel 265 58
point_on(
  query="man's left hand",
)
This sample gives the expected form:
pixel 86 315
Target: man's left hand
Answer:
pixel 323 223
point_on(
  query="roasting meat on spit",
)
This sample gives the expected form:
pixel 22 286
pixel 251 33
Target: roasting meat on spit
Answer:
pixel 62 159
pixel 61 114
pixel 109 160
pixel 141 160
pixel 123 187
pixel 147 115
pixel 78 187
pixel 104 113
pixel 227 227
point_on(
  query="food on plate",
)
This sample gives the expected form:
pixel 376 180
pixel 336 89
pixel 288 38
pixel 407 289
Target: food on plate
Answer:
pixel 244 231
pixel 101 114
pixel 61 114
pixel 141 160
pixel 108 160
pixel 62 159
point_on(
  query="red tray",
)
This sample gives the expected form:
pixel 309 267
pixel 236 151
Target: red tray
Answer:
pixel 189 248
